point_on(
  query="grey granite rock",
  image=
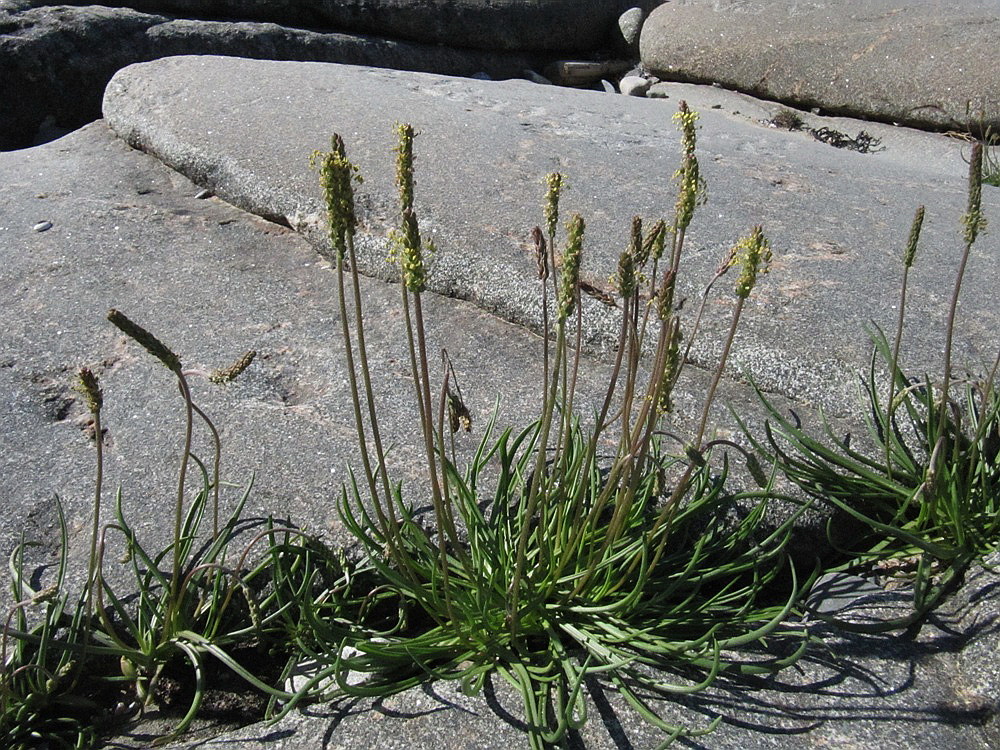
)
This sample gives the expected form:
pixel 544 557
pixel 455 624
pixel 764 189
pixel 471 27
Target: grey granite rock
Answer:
pixel 629 26
pixel 837 219
pixel 920 62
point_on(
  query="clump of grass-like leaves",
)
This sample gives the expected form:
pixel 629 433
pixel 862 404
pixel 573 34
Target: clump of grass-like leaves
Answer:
pixel 87 666
pixel 928 495
pixel 548 560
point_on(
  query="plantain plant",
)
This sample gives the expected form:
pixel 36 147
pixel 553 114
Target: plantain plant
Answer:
pixel 549 562
pixel 86 667
pixel 926 495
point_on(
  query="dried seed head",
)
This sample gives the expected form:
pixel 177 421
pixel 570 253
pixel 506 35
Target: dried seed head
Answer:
pixel 229 374
pixel 569 276
pixel 911 243
pixel 541 254
pixel 973 220
pixel 652 246
pixel 404 166
pixel 665 295
pixel 628 261
pixel 336 175
pixel 754 254
pixel 148 341
pixel 637 246
pixel 91 390
pixel 555 183
pixel 458 413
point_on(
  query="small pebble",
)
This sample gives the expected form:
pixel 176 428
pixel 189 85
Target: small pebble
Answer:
pixel 203 194
pixel 633 86
pixel 42 226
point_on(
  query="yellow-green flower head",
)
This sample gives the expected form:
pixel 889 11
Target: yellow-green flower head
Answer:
pixel 691 188
pixel 555 182
pixel 404 166
pixel 686 120
pixel 411 257
pixel 753 253
pixel 569 277
pixel 911 243
pixel 336 174
pixel 148 341
pixel 973 220
pixel 91 390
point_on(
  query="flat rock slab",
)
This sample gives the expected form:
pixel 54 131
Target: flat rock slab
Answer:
pixel 212 282
pixel 837 219
pixel 921 62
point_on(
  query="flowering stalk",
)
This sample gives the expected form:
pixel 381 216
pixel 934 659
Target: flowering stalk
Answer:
pixel 413 276
pixel 337 178
pixel 973 223
pixel 173 363
pixel 89 386
pixel 753 254
pixel 909 254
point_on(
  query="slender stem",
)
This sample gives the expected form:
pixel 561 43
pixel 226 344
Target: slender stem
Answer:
pixel 894 367
pixel 369 393
pixel 710 397
pixel 666 515
pixel 537 479
pixel 182 477
pixel 95 530
pixel 442 508
pixel 217 461
pixel 949 335
pixel 352 379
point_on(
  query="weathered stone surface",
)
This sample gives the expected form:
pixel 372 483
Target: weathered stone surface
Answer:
pixel 837 219
pixel 919 62
pixel 56 61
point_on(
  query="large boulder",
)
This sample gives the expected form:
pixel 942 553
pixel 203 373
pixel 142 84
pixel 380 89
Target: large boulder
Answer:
pixel 56 61
pixel 918 62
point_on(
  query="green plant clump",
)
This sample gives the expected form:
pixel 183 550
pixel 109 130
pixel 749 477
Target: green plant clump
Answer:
pixel 85 668
pixel 928 496
pixel 549 562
